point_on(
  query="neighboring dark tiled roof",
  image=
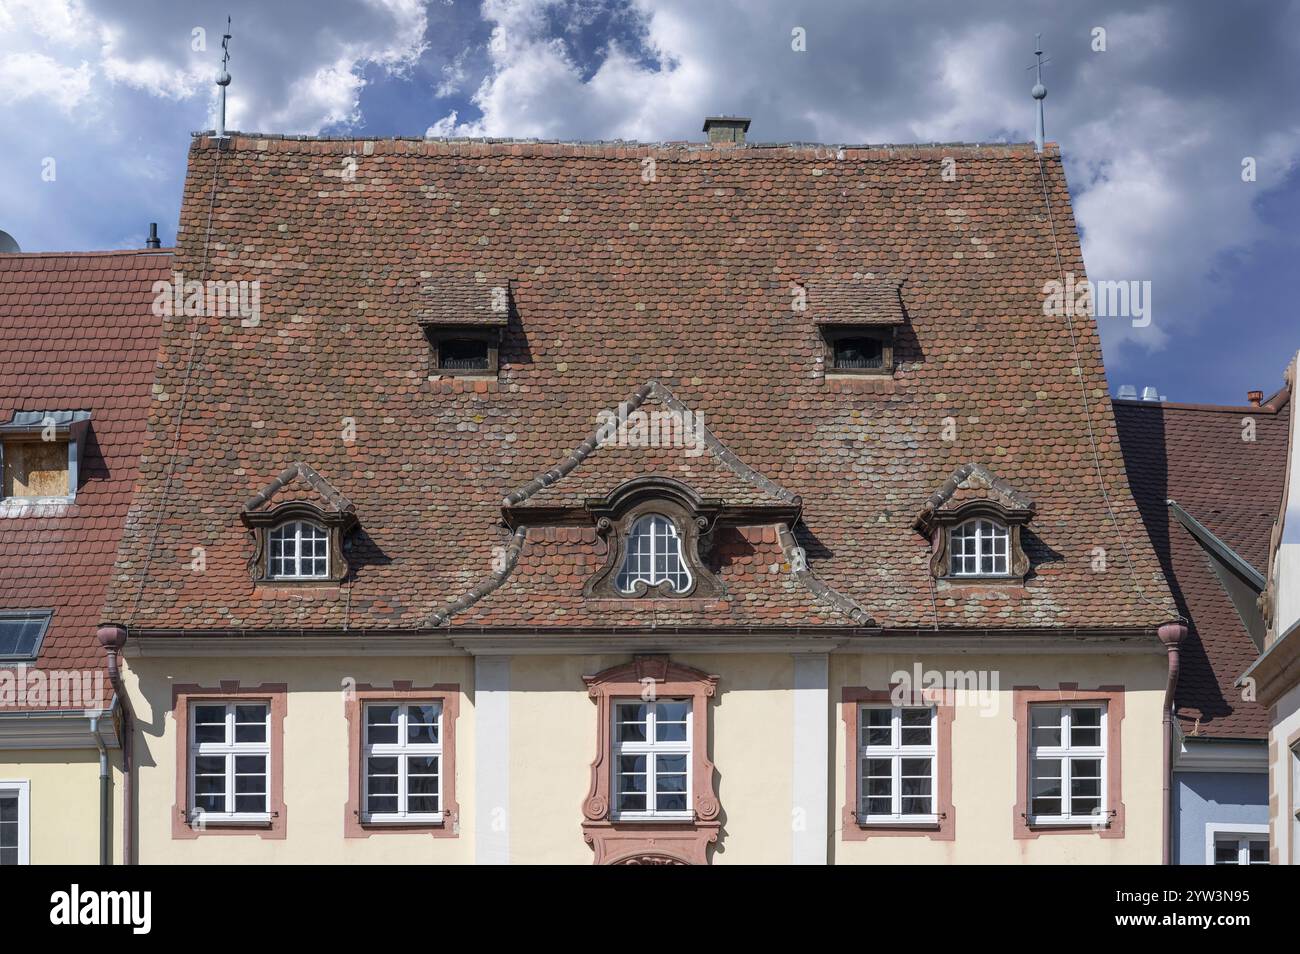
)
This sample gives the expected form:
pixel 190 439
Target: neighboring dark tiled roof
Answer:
pixel 1196 456
pixel 857 302
pixel 76 332
pixel 614 282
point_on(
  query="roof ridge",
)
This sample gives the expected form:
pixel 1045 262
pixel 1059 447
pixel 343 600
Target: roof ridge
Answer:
pixel 96 253
pixel 256 141
pixel 815 584
pixel 656 390
pixel 1274 403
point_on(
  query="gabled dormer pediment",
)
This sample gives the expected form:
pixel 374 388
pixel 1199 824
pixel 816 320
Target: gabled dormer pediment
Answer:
pixel 972 488
pixel 974 523
pixel 298 521
pixel 651 440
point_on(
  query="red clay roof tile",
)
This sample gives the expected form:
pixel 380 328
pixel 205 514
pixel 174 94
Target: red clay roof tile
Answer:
pixel 76 331
pixel 615 282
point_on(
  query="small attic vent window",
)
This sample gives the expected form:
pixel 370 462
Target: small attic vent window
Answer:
pixel 463 354
pixel 859 350
pixel 859 353
pixel 471 351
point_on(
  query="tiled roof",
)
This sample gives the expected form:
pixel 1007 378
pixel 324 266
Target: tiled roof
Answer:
pixel 76 332
pixel 616 282
pixel 858 301
pixel 463 300
pixel 1196 455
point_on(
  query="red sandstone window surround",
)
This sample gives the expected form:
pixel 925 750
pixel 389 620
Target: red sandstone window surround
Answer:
pixel 410 807
pixel 652 798
pixel 1088 743
pixel 864 817
pixel 251 753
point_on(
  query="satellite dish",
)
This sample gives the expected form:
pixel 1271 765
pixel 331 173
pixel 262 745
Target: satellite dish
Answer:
pixel 7 244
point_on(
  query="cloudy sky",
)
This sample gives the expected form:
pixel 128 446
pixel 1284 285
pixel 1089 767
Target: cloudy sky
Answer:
pixel 98 98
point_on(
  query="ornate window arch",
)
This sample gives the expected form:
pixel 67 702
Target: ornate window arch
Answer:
pixel 980 540
pixel 298 543
pixel 655 529
pixel 680 837
pixel 653 555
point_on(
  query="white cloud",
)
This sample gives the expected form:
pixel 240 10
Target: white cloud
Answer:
pixel 1151 148
pixel 26 76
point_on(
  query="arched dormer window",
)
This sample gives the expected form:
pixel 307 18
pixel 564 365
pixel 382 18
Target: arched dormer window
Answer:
pixel 656 530
pixel 653 556
pixel 299 551
pixel 980 547
pixel 299 542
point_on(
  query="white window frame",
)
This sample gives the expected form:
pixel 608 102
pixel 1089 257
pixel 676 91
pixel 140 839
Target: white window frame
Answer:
pixel 895 752
pixel 229 749
pixel 1067 753
pixel 1242 834
pixel 399 750
pixel 297 558
pixel 655 577
pixel 650 749
pixel 23 789
pixel 987 532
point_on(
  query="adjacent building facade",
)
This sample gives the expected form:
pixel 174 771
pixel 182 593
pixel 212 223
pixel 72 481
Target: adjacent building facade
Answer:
pixel 79 342
pixel 1274 678
pixel 1209 481
pixel 556 503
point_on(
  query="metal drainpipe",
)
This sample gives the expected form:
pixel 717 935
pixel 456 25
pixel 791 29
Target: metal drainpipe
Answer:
pixel 1171 634
pixel 113 637
pixel 105 856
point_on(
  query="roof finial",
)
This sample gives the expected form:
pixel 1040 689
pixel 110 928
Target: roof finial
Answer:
pixel 223 80
pixel 1039 92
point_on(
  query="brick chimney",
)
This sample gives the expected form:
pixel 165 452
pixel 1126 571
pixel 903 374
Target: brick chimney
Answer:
pixel 726 128
pixel 1256 398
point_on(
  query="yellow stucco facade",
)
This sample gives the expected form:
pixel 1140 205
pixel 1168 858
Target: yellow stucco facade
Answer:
pixel 542 760
pixel 62 826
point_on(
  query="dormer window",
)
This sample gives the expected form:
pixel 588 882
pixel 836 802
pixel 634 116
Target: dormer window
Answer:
pixel 299 551
pixel 859 354
pixel 464 319
pixel 40 456
pixel 654 556
pixel 299 542
pixel 35 468
pixel 980 547
pixel 852 350
pixel 656 530
pixel 976 525
pixel 462 354
pixel 463 351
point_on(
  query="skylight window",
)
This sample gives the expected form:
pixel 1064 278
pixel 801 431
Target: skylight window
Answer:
pixel 21 632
